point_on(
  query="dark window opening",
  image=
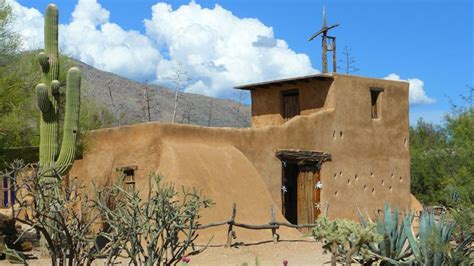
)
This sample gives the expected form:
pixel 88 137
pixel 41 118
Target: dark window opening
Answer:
pixel 128 175
pixel 375 102
pixel 290 104
pixel 290 192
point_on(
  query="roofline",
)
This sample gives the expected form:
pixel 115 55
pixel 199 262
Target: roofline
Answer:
pixel 287 80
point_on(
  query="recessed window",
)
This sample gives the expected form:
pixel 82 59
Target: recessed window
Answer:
pixel 290 104
pixel 375 102
pixel 128 175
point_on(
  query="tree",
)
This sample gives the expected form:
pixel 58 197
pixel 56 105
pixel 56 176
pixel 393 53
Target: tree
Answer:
pixel 348 61
pixel 146 99
pixel 211 105
pixel 180 80
pixel 187 112
pixel 241 96
pixel 442 157
pixel 14 95
pixel 116 108
pixel 9 40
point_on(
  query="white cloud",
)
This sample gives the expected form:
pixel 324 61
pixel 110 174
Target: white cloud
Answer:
pixel 28 22
pixel 417 93
pixel 219 50
pixel 91 38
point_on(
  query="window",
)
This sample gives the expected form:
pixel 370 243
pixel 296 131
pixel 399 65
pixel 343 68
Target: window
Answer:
pixel 375 102
pixel 290 104
pixel 128 175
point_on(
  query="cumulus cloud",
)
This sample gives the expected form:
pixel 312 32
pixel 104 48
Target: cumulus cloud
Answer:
pixel 28 22
pixel 417 93
pixel 219 50
pixel 91 38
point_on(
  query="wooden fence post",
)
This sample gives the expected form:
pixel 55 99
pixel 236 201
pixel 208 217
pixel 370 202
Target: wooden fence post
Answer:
pixel 273 222
pixel 230 232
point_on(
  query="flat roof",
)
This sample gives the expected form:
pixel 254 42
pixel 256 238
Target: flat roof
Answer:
pixel 282 81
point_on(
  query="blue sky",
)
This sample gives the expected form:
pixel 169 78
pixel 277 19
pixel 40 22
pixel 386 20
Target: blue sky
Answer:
pixel 429 42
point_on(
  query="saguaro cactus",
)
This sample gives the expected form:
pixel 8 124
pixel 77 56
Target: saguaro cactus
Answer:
pixel 48 102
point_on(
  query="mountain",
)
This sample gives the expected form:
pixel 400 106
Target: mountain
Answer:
pixel 125 98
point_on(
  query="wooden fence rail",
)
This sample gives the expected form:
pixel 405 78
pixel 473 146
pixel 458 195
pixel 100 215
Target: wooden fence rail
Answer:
pixel 273 225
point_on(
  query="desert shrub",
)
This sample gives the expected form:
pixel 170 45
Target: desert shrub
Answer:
pixel 157 228
pixel 346 240
pixel 59 211
pixel 461 217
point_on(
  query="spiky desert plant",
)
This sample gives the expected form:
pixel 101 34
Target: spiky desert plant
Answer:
pixel 59 218
pixel 344 239
pixel 153 227
pixel 432 245
pixel 393 249
pixel 47 92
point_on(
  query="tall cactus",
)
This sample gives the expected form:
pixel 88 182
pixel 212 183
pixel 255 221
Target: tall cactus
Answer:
pixel 48 102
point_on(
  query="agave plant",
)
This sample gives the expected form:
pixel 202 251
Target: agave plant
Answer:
pixel 432 245
pixel 393 248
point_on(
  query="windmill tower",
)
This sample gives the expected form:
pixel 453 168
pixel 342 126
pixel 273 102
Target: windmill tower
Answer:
pixel 328 43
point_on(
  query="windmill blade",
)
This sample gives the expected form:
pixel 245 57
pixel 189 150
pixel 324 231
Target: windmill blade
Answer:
pixel 317 33
pixel 332 27
pixel 324 29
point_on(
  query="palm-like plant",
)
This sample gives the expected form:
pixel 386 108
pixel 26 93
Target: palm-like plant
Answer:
pixel 431 247
pixel 393 248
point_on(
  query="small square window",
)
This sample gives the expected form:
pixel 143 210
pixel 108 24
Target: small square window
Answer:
pixel 375 102
pixel 128 175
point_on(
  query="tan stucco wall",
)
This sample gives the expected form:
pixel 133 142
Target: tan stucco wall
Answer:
pixel 267 102
pixel 239 165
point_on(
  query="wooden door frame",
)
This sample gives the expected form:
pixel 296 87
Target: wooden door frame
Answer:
pixel 307 161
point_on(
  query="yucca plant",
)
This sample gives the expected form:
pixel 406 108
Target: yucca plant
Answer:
pixel 432 246
pixel 393 249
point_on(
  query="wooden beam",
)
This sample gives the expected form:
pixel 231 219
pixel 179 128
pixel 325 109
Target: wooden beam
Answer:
pixel 303 157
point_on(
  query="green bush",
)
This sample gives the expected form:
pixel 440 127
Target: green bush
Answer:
pixel 346 240
pixel 442 157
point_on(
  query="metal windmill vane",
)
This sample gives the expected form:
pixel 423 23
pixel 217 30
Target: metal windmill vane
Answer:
pixel 328 43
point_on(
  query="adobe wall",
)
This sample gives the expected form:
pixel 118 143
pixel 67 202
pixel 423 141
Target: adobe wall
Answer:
pixel 266 102
pixel 371 161
pixel 239 165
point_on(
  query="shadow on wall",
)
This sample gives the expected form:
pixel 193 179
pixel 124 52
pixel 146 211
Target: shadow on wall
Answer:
pixel 311 96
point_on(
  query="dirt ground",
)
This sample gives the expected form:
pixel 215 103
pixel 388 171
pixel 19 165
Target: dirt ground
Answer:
pixel 296 252
pixel 304 251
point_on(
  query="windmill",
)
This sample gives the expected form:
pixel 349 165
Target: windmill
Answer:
pixel 328 43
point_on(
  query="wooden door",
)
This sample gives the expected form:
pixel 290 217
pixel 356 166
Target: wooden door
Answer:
pixel 291 105
pixel 308 197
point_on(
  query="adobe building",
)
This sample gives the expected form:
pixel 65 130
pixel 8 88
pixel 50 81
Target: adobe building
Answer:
pixel 318 140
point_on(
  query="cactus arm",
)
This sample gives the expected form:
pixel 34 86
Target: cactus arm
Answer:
pixel 43 60
pixel 71 122
pixel 55 85
pixel 44 104
pixel 51 49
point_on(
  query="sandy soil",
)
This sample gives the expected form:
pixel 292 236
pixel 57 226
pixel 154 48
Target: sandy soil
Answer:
pixel 302 251
pixel 297 252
